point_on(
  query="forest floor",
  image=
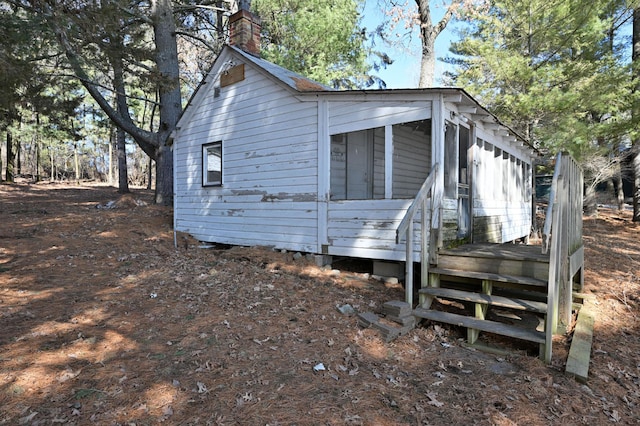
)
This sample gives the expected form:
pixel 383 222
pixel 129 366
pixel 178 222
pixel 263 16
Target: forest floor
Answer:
pixel 103 321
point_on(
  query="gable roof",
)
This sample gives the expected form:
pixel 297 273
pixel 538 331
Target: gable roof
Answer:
pixel 294 80
pixel 289 79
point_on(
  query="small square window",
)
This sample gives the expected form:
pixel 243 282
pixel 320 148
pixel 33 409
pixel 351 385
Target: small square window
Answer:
pixel 212 164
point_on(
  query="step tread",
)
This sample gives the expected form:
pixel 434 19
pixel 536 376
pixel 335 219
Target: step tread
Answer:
pixel 490 276
pixel 501 301
pixel 518 252
pixel 483 325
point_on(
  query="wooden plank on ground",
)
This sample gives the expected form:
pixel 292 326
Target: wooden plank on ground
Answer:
pixel 580 352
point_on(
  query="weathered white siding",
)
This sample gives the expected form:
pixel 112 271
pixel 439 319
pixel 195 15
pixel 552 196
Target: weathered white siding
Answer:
pixel 269 144
pixel 497 222
pixel 367 228
pixel 502 212
pixel 277 163
pixel 357 115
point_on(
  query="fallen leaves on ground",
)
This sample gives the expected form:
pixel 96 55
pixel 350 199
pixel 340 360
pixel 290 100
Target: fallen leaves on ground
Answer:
pixel 105 321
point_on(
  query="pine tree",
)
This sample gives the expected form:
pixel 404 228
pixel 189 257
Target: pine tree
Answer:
pixel 556 73
pixel 321 39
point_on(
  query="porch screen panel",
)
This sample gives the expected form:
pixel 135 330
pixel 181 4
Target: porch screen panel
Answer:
pixel 506 175
pixel 378 163
pixel 486 185
pixel 498 187
pixel 339 167
pixel 450 160
pixel 411 157
pixel 357 165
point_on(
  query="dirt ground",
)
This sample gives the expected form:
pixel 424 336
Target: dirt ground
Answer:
pixel 103 321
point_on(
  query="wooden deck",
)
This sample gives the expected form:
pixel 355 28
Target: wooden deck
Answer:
pixel 538 280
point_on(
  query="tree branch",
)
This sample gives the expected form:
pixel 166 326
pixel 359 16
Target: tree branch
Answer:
pixel 121 120
pixel 199 39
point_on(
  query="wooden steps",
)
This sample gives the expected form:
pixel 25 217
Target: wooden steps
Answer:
pixel 481 324
pixel 501 259
pixel 472 274
pixel 503 302
pixel 522 280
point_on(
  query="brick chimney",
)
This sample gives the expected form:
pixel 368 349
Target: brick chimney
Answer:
pixel 244 29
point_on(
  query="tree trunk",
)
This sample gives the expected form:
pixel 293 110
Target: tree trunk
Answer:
pixel 149 173
pixel 635 149
pixel 428 35
pixel 18 146
pixel 619 189
pixel 636 181
pixel 590 206
pixel 76 164
pixel 169 95
pixel 123 176
pixel 36 143
pixel 10 158
pixel 52 172
pixel 428 62
pixel 122 108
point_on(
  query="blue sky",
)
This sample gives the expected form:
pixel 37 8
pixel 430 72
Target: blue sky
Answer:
pixel 405 71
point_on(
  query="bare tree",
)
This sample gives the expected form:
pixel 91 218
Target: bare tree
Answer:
pixel 428 34
pixel 429 31
pixel 599 168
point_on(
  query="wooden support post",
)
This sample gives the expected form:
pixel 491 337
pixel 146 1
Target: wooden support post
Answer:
pixel 408 275
pixel 480 311
pixel 426 300
pixel 565 283
pixel 424 249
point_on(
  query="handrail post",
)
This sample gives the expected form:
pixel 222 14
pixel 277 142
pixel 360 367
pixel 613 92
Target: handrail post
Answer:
pixel 406 228
pixel 408 280
pixel 424 248
pixel 562 236
pixel 546 230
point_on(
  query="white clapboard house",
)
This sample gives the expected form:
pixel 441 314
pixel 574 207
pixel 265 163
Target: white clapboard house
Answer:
pixel 266 157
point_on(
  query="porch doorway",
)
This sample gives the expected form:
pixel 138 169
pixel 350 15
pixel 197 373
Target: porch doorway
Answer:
pixel 352 165
pixel 457 185
pixel 464 184
pixel 359 166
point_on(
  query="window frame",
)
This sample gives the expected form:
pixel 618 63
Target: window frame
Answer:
pixel 205 164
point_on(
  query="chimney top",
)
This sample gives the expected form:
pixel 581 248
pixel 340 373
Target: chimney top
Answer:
pixel 244 29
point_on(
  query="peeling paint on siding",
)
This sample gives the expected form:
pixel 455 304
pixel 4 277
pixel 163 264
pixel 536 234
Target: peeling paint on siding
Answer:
pixel 283 196
pixel 383 225
pixel 247 192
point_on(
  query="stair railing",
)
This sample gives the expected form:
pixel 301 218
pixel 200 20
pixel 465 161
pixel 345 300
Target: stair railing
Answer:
pixel 562 235
pixel 430 230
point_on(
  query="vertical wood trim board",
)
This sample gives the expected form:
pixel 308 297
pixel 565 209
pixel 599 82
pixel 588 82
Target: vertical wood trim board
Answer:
pixel 324 161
